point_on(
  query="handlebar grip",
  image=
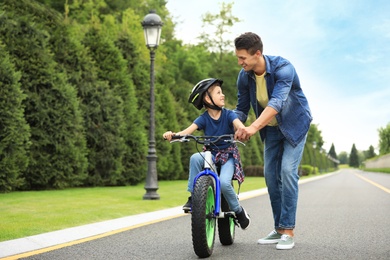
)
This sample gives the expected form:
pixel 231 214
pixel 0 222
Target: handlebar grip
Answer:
pixel 177 137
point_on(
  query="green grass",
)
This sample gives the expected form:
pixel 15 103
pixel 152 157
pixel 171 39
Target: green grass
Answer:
pixel 381 170
pixel 35 212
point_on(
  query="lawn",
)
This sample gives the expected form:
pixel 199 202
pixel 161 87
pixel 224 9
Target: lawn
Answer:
pixel 35 212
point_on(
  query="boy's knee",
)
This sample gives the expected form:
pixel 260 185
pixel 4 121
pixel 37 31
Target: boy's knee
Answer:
pixel 225 185
pixel 196 157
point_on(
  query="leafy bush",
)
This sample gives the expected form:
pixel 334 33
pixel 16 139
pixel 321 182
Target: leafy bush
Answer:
pixel 306 170
pixel 254 171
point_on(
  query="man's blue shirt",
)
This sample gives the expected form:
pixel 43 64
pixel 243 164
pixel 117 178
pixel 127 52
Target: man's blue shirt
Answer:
pixel 285 96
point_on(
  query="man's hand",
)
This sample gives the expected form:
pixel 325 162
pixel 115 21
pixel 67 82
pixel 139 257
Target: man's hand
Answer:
pixel 245 133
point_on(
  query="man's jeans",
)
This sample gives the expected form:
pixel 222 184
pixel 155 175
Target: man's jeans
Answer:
pixel 227 171
pixel 281 161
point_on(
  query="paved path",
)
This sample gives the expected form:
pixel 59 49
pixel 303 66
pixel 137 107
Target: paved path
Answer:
pixel 340 216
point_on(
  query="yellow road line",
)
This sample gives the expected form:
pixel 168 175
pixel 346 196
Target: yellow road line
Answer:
pixel 51 248
pixel 373 183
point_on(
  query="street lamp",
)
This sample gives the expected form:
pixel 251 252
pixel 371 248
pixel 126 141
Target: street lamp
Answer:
pixel 152 30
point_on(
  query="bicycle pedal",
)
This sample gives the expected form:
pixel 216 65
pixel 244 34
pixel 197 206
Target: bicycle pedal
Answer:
pixel 187 211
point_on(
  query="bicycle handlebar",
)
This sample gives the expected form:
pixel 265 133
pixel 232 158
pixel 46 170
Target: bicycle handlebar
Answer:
pixel 205 139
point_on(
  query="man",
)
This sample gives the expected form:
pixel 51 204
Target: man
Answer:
pixel 271 86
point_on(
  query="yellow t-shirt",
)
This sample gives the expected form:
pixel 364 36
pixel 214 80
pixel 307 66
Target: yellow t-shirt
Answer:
pixel 262 95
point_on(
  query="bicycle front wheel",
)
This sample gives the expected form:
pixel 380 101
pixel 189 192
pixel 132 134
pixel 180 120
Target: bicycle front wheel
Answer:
pixel 203 219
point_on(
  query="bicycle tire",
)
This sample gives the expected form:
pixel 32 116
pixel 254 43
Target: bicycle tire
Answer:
pixel 203 221
pixel 226 225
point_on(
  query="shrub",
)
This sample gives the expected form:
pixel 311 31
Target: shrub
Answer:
pixel 254 171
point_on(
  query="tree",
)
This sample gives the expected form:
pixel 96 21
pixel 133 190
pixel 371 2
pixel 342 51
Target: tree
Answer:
pixel 15 132
pixel 58 149
pixel 333 155
pixel 370 153
pixel 223 61
pixel 314 138
pixel 384 140
pixel 354 157
pixel 332 152
pixel 343 158
pixel 221 23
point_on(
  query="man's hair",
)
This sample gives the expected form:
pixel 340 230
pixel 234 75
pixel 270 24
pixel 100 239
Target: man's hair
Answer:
pixel 249 41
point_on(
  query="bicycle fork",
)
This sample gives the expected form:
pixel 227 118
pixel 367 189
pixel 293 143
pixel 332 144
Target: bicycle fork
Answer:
pixel 210 170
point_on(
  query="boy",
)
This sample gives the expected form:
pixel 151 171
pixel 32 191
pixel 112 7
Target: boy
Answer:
pixel 215 121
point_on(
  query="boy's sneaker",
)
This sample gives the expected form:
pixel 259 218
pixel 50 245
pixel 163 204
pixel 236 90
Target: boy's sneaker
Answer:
pixel 187 206
pixel 243 219
pixel 286 242
pixel 272 238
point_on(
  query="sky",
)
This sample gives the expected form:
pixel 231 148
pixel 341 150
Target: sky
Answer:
pixel 339 48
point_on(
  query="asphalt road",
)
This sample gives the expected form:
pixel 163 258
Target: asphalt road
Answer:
pixel 343 216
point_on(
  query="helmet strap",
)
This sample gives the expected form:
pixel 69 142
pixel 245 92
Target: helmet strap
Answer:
pixel 213 106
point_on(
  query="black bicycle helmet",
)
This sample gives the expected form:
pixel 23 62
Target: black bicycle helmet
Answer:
pixel 197 93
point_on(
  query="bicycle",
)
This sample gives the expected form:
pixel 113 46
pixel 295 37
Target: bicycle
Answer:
pixel 208 203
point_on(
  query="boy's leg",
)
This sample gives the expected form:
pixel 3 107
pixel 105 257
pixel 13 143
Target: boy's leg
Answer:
pixel 225 177
pixel 196 166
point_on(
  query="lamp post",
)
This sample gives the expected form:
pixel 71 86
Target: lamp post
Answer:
pixel 152 31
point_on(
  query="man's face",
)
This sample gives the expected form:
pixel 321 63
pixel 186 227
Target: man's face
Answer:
pixel 246 60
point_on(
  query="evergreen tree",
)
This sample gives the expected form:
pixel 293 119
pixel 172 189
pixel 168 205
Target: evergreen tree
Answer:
pixel 112 67
pixel 51 108
pixel 170 160
pixel 354 157
pixel 14 130
pixel 333 155
pixel 98 104
pixel 113 149
pixel 136 119
pixel 332 152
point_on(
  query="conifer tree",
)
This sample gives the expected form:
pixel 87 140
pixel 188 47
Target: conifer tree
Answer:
pixel 51 108
pixel 14 130
pixel 114 148
pixel 354 157
pixel 95 98
pixel 332 152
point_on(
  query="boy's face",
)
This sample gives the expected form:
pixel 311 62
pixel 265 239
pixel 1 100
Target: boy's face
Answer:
pixel 217 96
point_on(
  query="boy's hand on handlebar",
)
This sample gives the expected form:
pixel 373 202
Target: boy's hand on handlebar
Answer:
pixel 168 135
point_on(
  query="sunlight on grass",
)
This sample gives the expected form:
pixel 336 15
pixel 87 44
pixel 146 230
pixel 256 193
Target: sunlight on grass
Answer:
pixel 35 212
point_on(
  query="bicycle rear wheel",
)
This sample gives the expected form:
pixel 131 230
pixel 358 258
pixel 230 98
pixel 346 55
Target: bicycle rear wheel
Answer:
pixel 226 225
pixel 202 218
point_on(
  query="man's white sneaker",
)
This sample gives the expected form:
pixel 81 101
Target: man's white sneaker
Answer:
pixel 286 242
